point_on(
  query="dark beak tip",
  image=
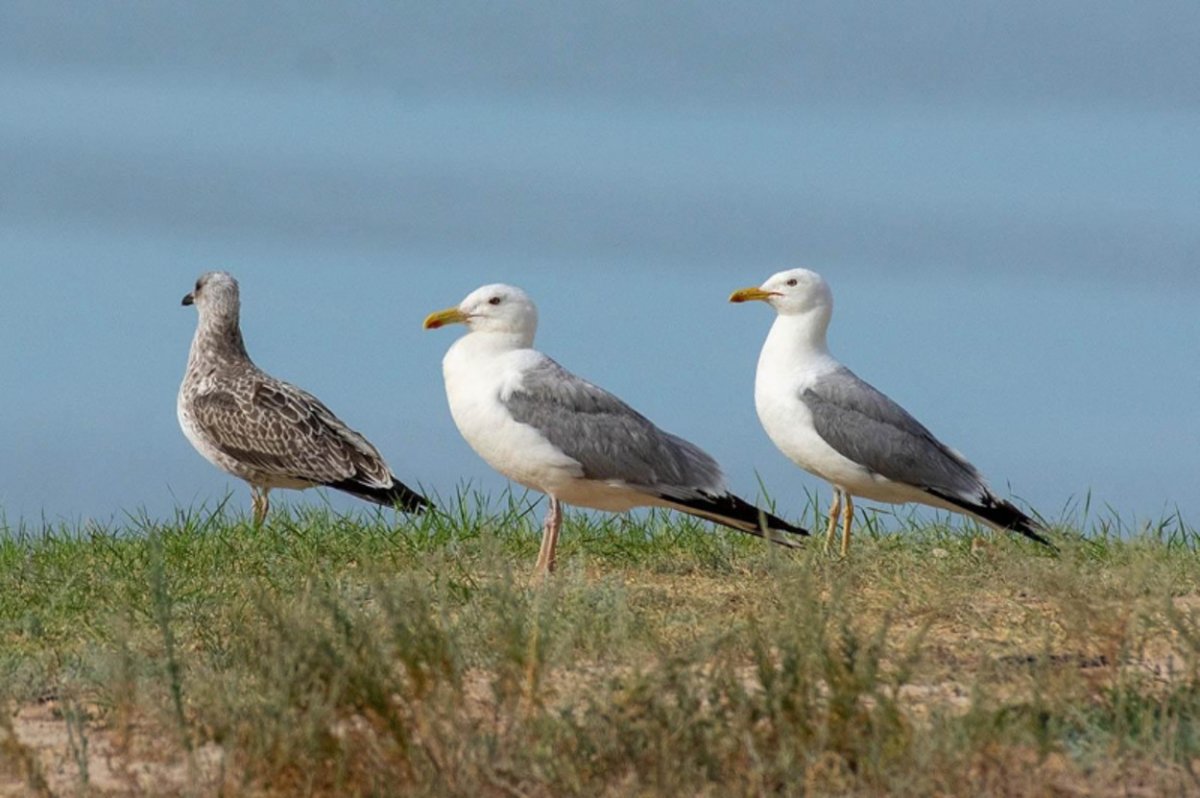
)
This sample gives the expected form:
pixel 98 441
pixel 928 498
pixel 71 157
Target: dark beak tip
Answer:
pixel 188 300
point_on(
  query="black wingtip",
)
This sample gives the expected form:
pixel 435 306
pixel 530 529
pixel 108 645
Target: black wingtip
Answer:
pixel 1003 514
pixel 398 495
pixel 777 524
pixel 735 513
pixel 1028 530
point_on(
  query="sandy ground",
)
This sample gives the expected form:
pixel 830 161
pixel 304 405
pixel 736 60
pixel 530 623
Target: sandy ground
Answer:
pixel 48 749
pixel 42 754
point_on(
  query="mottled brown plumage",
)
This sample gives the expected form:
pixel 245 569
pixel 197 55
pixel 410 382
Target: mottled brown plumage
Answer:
pixel 263 430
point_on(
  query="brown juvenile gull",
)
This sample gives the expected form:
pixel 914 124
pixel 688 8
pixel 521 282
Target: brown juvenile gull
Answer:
pixel 831 423
pixel 543 427
pixel 263 430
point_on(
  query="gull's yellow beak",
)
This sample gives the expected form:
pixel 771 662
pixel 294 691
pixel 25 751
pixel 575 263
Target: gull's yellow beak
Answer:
pixel 748 294
pixel 443 317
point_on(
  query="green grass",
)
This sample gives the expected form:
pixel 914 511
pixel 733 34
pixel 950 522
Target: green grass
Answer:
pixel 362 655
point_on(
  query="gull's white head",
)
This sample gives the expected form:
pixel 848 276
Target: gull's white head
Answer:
pixel 215 296
pixel 793 292
pixel 496 308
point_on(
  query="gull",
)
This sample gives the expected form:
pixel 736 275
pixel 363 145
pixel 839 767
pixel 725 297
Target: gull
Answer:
pixel 263 430
pixel 836 426
pixel 545 428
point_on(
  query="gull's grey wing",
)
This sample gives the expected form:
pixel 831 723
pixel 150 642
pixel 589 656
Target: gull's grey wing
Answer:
pixel 867 427
pixel 607 437
pixel 280 430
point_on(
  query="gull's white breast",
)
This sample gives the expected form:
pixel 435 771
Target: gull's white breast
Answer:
pixel 781 380
pixel 477 376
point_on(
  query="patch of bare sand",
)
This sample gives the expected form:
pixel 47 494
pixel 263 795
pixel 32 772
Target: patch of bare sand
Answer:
pixel 41 753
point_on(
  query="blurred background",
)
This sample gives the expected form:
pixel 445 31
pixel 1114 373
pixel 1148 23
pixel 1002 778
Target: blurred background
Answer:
pixel 1005 199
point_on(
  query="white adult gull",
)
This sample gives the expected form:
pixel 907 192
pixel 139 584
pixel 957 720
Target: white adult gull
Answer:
pixel 263 430
pixel 543 427
pixel 834 425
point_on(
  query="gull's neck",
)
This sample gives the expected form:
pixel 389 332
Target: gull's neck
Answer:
pixel 797 341
pixel 218 340
pixel 490 342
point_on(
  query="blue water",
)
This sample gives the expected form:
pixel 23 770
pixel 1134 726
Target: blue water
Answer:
pixel 1021 272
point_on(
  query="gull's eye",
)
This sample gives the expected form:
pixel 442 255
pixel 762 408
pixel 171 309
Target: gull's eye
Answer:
pixel 197 286
pixel 793 281
pixel 494 300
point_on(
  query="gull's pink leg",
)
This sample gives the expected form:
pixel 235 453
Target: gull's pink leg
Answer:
pixel 550 530
pixel 260 503
pixel 831 530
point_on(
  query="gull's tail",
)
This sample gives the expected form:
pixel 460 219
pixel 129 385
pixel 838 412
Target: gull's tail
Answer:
pixel 1000 513
pixel 397 495
pixel 735 513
